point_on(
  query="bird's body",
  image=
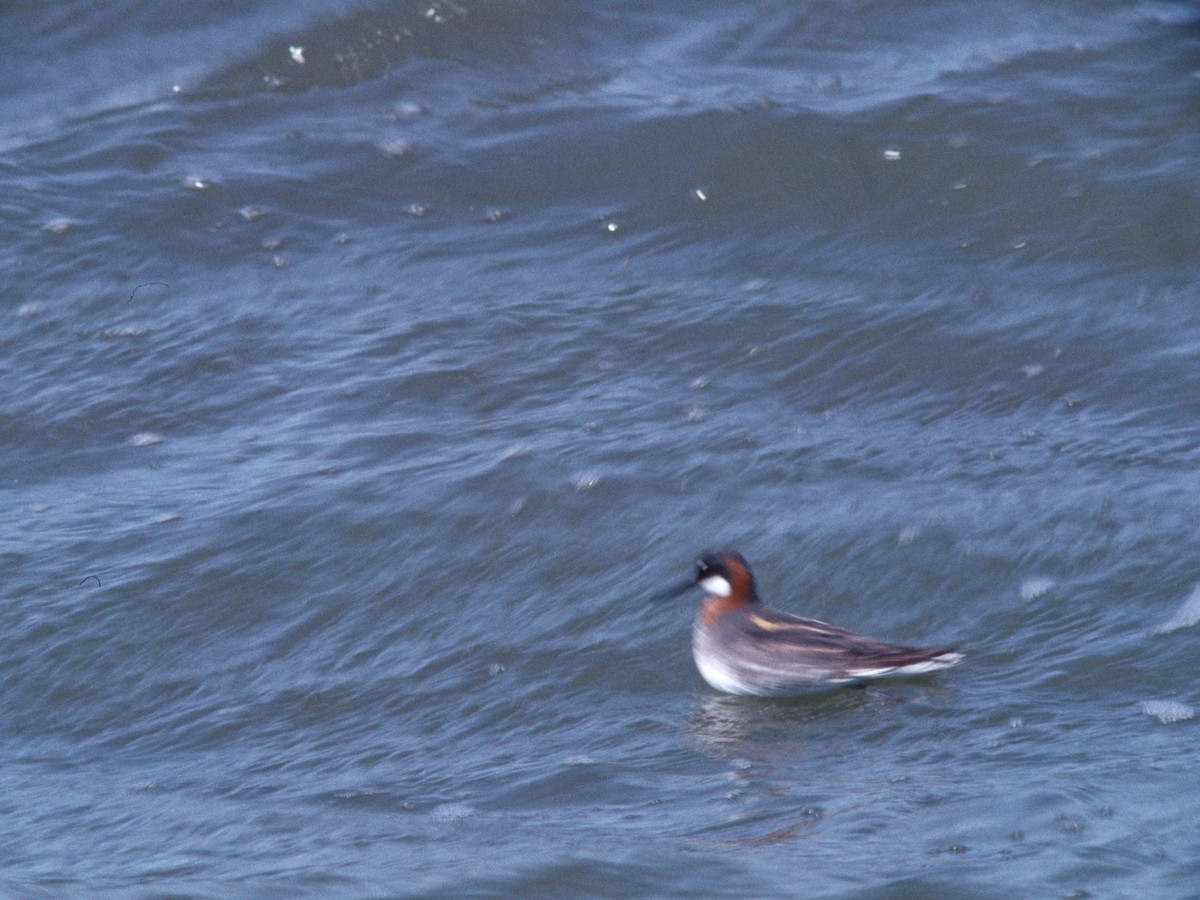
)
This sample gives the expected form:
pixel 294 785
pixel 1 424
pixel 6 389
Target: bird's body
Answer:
pixel 743 647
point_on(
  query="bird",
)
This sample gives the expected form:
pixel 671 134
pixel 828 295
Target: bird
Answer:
pixel 743 647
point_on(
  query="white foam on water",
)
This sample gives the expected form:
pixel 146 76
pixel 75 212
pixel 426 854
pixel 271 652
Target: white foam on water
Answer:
pixel 1032 588
pixel 585 481
pixel 1167 711
pixel 447 812
pixel 1187 615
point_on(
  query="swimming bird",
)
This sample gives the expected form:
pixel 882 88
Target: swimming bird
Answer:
pixel 743 647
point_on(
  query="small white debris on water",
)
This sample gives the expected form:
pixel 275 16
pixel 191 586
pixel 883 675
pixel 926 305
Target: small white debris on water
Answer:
pixel 146 439
pixel 700 194
pixel 1032 588
pixel 28 310
pixel 1187 615
pixel 891 155
pixel 60 225
pixel 1167 711
pixel 297 54
pixel 1033 370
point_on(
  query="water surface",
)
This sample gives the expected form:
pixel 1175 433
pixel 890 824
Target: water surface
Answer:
pixel 369 365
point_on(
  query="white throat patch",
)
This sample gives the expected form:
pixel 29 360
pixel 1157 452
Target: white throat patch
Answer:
pixel 716 585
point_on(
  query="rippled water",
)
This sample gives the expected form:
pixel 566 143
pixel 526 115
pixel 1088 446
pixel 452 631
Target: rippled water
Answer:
pixel 369 366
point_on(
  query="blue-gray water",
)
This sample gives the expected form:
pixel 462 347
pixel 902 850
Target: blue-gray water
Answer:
pixel 367 366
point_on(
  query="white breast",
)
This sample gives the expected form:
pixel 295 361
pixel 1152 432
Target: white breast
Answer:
pixel 719 676
pixel 712 667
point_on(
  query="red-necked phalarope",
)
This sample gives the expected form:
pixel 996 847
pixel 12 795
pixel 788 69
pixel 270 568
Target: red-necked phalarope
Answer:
pixel 743 647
